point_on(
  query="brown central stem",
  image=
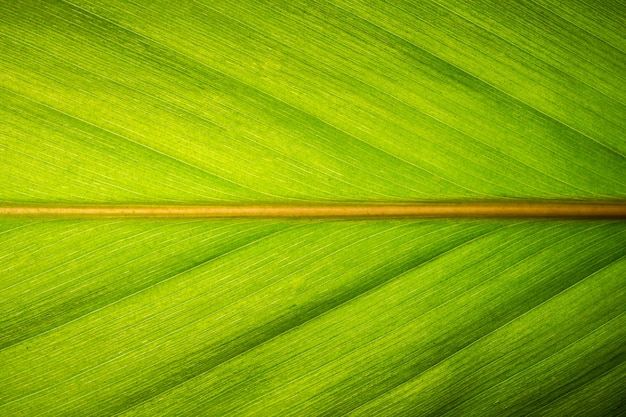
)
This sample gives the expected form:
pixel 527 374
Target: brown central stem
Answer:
pixel 571 210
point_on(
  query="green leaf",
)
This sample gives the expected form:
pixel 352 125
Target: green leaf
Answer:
pixel 207 102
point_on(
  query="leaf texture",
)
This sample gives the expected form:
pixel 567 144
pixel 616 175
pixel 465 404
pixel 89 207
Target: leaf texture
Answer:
pixel 256 101
pixel 205 102
pixel 312 318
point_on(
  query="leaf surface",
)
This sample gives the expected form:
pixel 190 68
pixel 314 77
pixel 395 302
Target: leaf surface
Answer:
pixel 205 102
